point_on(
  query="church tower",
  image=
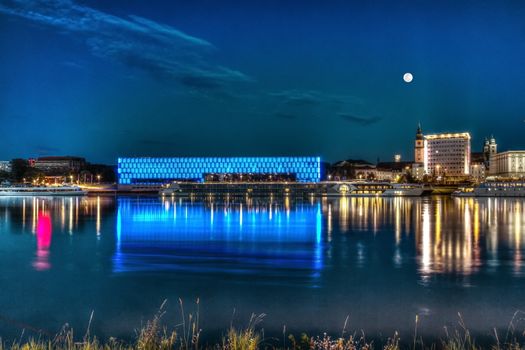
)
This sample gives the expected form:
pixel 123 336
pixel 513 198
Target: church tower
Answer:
pixel 419 147
pixel 490 148
pixel 493 147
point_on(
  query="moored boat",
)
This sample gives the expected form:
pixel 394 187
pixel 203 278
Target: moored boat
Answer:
pixel 375 189
pixel 38 191
pixel 492 189
pixel 331 188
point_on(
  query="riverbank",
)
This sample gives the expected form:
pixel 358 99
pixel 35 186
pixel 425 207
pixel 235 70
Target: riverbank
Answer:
pixel 187 335
pixel 154 337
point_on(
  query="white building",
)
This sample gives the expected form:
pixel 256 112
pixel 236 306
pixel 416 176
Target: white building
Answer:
pixel 478 172
pixel 508 164
pixel 447 154
pixel 5 165
pixel 418 171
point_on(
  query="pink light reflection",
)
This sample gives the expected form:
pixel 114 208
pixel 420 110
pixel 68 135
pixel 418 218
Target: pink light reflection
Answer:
pixel 43 242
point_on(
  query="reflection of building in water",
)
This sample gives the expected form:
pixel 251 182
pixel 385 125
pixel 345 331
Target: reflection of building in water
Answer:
pixel 451 235
pixel 263 234
pixel 234 238
pixel 41 216
pixel 447 241
pixel 369 213
pixel 43 242
pixel 450 239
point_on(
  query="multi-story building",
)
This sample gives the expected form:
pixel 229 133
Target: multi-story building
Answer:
pixel 59 164
pixel 478 171
pixel 5 165
pixel 508 164
pixel 418 171
pixel 351 169
pixel 447 154
pixel 136 173
pixel 392 171
pixel 444 154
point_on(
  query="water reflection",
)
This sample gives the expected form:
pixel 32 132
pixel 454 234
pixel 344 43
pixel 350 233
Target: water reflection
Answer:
pixel 269 238
pixel 451 239
pixel 382 260
pixel 48 216
pixel 276 236
pixel 43 242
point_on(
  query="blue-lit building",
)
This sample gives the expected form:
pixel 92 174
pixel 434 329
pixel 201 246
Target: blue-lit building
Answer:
pixel 152 172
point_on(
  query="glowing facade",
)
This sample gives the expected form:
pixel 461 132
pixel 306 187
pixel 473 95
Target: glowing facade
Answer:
pixel 155 171
pixel 508 164
pixel 447 154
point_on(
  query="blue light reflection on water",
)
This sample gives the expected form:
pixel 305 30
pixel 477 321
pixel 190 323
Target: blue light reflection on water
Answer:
pixel 230 238
pixel 379 260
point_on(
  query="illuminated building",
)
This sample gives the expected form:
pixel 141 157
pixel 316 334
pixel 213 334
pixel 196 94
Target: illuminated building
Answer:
pixel 419 146
pixel 477 166
pixel 392 171
pixel 447 154
pixel 59 164
pixel 508 164
pixel 134 173
pixel 490 148
pixel 444 154
pixel 418 171
pixel 352 169
pixel 5 165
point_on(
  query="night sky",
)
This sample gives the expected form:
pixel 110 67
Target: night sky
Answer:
pixel 103 79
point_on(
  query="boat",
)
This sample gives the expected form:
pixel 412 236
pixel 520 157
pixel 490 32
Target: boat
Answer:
pixel 375 189
pixel 38 191
pixel 328 188
pixel 492 189
pixel 258 188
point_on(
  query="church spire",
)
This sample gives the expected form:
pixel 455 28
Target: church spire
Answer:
pixel 419 132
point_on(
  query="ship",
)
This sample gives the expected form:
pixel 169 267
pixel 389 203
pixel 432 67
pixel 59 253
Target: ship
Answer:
pixel 375 189
pixel 39 191
pixel 492 189
pixel 296 189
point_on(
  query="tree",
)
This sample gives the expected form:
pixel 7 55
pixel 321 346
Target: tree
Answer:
pixel 4 176
pixel 33 174
pixel 18 169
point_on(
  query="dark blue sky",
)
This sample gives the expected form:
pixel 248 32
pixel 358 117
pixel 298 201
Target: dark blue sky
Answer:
pixel 104 79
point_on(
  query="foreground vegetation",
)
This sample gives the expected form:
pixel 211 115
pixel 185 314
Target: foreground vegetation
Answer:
pixel 187 336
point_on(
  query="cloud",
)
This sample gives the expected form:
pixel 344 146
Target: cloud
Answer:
pixel 312 97
pixel 310 104
pixel 298 98
pixel 72 64
pixel 359 119
pixel 161 50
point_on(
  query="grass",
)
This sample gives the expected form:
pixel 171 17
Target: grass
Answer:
pixel 153 335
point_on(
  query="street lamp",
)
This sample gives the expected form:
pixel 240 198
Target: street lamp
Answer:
pixel 98 178
pixel 71 178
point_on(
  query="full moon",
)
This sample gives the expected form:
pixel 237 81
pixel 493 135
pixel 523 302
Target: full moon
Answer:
pixel 407 77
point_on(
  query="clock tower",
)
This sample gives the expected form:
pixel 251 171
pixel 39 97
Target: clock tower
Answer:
pixel 419 147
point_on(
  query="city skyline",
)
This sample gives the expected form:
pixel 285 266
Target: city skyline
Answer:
pixel 106 80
